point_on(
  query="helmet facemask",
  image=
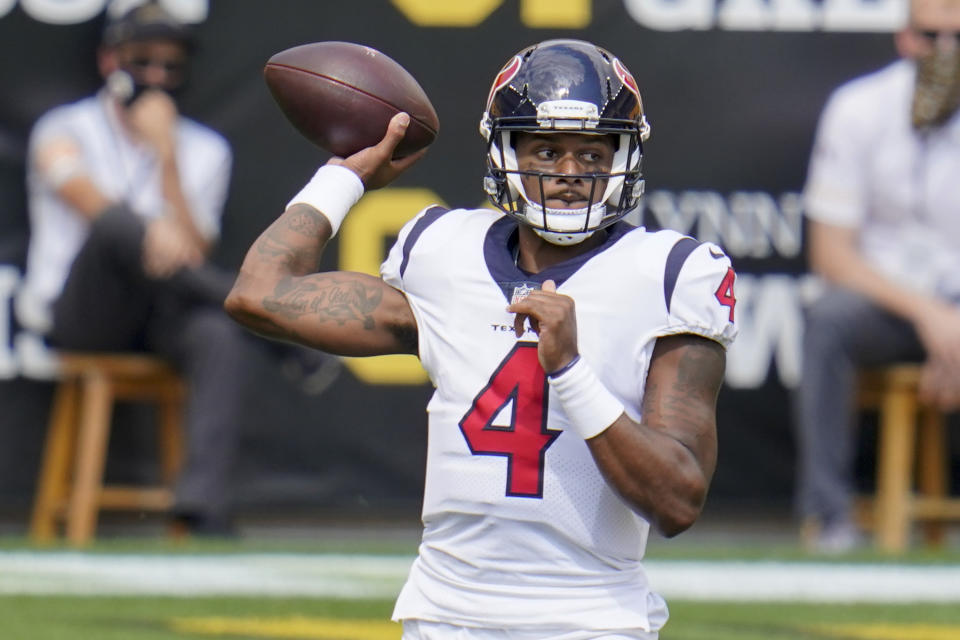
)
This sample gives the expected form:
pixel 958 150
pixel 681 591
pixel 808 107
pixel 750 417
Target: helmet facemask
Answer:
pixel 612 194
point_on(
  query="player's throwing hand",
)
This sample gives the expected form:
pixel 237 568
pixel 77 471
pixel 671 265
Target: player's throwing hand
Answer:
pixel 374 164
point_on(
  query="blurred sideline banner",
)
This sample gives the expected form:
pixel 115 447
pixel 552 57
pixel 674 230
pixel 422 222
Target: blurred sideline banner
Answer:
pixel 732 88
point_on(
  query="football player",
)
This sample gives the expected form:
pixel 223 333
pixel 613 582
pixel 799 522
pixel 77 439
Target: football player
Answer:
pixel 576 358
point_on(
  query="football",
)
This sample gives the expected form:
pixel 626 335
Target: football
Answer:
pixel 341 96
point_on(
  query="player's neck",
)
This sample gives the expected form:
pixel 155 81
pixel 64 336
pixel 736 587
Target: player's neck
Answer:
pixel 536 254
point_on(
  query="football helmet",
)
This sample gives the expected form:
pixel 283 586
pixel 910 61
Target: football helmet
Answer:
pixel 566 86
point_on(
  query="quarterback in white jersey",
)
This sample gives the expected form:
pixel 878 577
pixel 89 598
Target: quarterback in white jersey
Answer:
pixel 520 526
pixel 576 358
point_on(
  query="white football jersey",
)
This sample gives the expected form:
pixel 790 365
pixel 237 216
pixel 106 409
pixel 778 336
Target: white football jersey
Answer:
pixel 520 528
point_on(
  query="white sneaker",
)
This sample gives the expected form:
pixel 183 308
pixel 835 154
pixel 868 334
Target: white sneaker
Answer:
pixel 836 539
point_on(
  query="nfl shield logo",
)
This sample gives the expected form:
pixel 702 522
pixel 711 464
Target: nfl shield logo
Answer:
pixel 519 293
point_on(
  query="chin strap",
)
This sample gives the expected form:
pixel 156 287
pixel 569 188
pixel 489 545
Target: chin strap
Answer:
pixel 562 239
pixel 541 220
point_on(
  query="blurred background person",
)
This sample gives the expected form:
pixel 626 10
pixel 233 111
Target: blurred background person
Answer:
pixel 125 200
pixel 883 204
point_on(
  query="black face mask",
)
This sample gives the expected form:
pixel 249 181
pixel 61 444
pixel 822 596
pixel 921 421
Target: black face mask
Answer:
pixel 123 86
pixel 936 95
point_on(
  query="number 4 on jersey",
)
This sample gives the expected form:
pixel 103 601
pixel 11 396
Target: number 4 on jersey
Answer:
pixel 724 292
pixel 519 380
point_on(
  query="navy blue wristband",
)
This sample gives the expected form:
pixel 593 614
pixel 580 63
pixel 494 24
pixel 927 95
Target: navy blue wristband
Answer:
pixel 562 370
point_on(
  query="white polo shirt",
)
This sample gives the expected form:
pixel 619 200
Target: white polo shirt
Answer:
pixel 871 171
pixel 124 170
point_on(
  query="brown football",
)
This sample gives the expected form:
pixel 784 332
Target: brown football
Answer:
pixel 341 95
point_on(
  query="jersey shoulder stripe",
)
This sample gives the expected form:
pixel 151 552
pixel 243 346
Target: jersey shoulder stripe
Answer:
pixel 679 253
pixel 428 218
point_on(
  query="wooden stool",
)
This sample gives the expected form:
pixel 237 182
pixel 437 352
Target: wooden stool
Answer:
pixel 70 484
pixel 911 443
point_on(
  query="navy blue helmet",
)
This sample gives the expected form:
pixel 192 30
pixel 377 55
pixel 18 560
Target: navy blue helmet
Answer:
pixel 568 86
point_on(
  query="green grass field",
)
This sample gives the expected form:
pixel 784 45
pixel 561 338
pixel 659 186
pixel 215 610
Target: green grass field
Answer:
pixel 135 617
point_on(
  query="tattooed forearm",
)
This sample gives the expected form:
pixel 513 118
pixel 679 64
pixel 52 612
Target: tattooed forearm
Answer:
pixel 281 294
pixel 327 297
pixel 307 221
pixel 296 240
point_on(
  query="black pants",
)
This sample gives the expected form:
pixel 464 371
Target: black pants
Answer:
pixel 109 304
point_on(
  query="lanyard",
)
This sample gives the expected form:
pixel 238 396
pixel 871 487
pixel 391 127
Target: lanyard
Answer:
pixel 133 166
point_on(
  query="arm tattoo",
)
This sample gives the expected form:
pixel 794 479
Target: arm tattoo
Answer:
pixel 700 371
pixel 306 221
pixel 295 240
pixel 693 389
pixel 327 297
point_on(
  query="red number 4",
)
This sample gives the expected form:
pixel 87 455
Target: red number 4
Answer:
pixel 524 441
pixel 724 292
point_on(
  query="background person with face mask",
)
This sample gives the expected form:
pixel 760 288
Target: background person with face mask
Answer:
pixel 125 200
pixel 883 202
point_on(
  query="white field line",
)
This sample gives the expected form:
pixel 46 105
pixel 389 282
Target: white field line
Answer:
pixel 807 582
pixel 366 576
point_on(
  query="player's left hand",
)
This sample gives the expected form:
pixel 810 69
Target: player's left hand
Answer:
pixel 552 316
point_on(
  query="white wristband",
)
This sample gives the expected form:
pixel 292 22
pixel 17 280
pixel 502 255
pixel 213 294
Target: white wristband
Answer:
pixel 332 191
pixel 589 405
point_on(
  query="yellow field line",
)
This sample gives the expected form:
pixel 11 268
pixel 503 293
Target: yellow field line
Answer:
pixel 296 627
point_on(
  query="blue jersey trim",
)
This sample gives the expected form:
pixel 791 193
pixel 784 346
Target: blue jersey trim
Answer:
pixel 498 252
pixel 675 259
pixel 418 228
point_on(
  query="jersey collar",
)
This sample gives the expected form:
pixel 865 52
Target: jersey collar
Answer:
pixel 498 251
